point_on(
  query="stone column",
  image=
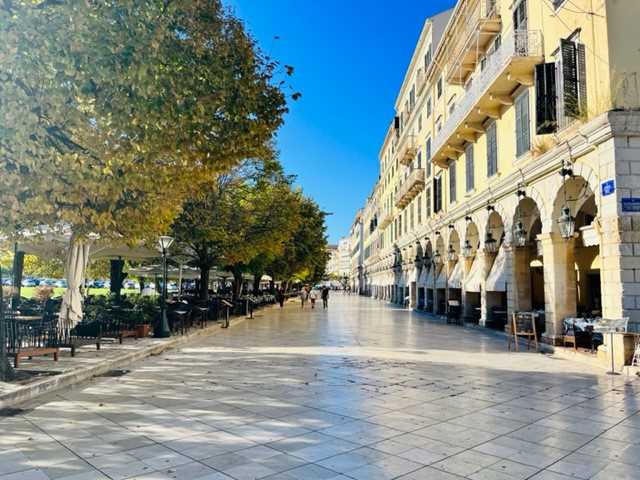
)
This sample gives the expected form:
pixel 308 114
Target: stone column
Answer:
pixel 467 308
pixel 560 282
pixel 486 262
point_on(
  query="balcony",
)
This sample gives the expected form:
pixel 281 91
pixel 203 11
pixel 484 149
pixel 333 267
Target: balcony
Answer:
pixel 408 149
pixel 481 23
pixel 386 217
pixel 511 65
pixel 412 186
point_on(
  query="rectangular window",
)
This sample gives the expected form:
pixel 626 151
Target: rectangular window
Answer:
pixel 439 87
pixel 428 107
pixel 571 82
pixel 428 157
pixel 419 203
pixel 546 109
pixel 437 194
pixel 411 213
pixel 427 59
pixel 419 122
pixel 427 197
pixel 469 166
pixel 412 97
pixel 492 150
pixel 452 181
pixel 419 159
pixel 523 136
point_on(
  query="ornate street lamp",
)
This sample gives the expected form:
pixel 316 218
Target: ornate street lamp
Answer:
pixel 451 254
pixel 520 237
pixel 566 223
pixel 437 258
pixel 490 243
pixel 467 249
pixel 164 242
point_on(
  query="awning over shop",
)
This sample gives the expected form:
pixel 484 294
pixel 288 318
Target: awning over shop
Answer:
pixel 455 279
pixel 424 273
pixel 473 278
pixel 430 278
pixel 497 279
pixel 441 281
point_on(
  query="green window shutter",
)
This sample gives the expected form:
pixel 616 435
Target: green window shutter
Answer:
pixel 468 154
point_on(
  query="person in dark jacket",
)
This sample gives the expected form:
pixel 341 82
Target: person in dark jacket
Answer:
pixel 325 297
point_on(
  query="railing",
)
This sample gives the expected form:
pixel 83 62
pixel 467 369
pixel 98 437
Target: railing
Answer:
pixel 409 189
pixel 470 16
pixel 520 43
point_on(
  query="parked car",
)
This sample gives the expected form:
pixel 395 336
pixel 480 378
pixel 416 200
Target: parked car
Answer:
pixel 60 283
pixel 131 285
pixel 29 282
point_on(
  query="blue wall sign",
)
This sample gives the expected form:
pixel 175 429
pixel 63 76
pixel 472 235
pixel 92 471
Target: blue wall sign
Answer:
pixel 631 204
pixel 608 187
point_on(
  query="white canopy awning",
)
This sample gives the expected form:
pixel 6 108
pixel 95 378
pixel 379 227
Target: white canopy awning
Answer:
pixel 455 279
pixel 441 281
pixel 497 279
pixel 424 273
pixel 473 278
pixel 173 273
pixel 430 277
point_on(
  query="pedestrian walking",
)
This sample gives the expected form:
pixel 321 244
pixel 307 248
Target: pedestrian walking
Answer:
pixel 325 297
pixel 304 296
pixel 280 296
pixel 313 296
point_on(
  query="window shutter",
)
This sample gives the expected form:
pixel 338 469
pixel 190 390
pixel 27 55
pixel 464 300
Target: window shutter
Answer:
pixel 469 167
pixel 582 78
pixel 452 182
pixel 546 120
pixel 570 78
pixel 522 124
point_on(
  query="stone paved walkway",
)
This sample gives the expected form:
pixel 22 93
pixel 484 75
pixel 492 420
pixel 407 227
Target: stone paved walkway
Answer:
pixel 362 391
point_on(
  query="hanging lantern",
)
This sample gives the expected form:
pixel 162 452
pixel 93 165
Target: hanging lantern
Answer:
pixel 467 250
pixel 490 243
pixel 520 237
pixel 418 262
pixel 426 260
pixel 451 254
pixel 437 258
pixel 566 223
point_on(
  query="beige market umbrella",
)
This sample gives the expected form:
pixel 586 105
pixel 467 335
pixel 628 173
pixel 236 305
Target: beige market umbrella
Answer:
pixel 75 268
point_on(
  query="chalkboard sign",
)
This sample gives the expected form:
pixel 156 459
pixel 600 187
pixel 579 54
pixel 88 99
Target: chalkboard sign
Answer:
pixel 523 324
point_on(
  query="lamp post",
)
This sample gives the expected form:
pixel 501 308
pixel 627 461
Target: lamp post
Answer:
pixel 5 368
pixel 164 242
pixel 490 243
pixel 566 223
pixel 467 250
pixel 520 235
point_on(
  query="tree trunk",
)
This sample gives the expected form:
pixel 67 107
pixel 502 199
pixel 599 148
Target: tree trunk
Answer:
pixel 204 282
pixel 257 277
pixel 141 283
pixel 18 269
pixel 272 286
pixel 116 277
pixel 237 283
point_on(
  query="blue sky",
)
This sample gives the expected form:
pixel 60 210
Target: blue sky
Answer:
pixel 349 58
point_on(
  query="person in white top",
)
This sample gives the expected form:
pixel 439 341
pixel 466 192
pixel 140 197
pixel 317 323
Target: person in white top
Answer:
pixel 313 296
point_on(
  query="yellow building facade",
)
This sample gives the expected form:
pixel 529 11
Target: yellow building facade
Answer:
pixel 510 175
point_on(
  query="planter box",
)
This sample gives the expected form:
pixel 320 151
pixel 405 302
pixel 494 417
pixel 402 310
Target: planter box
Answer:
pixel 143 331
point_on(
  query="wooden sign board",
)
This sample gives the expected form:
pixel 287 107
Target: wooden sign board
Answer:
pixel 523 324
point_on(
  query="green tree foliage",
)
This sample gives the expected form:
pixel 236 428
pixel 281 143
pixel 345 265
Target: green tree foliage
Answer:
pixel 305 255
pixel 245 214
pixel 112 112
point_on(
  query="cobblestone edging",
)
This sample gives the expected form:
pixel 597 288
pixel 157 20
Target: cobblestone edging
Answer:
pixel 83 373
